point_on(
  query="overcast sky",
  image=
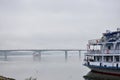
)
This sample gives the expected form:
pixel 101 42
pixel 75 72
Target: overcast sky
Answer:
pixel 55 23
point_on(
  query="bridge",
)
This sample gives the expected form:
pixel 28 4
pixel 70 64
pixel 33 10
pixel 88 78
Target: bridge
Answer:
pixel 39 51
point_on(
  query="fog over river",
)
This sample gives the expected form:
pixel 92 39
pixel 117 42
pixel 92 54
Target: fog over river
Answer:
pixel 51 67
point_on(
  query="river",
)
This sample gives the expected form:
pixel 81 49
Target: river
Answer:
pixel 50 67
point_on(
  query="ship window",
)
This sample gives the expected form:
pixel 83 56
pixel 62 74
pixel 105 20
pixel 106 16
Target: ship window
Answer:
pixel 118 46
pixel 117 58
pixel 108 59
pixel 109 47
pixel 98 58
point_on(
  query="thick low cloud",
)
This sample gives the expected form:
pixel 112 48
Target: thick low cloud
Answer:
pixel 55 24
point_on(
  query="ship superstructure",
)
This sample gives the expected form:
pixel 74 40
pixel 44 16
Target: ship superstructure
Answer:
pixel 103 55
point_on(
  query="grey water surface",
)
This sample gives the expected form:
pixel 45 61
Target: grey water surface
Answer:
pixel 52 66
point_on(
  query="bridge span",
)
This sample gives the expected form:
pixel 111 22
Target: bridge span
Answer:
pixel 39 51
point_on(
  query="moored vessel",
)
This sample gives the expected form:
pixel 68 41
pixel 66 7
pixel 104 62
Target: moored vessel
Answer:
pixel 103 55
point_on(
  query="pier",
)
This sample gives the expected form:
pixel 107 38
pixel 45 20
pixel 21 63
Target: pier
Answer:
pixel 39 52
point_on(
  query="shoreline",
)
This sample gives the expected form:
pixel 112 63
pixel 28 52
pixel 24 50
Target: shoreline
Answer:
pixel 5 78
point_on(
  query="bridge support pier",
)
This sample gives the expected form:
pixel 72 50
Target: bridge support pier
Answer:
pixel 37 55
pixel 34 56
pixel 79 54
pixel 66 55
pixel 5 56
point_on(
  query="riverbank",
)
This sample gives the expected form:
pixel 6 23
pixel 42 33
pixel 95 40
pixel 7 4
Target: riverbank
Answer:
pixel 5 78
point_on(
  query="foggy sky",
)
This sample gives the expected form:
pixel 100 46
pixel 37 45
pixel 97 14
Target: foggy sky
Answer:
pixel 55 23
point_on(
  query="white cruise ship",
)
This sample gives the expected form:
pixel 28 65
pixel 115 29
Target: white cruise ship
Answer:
pixel 103 55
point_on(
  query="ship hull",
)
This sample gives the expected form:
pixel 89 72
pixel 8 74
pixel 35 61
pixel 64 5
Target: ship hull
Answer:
pixel 98 76
pixel 105 70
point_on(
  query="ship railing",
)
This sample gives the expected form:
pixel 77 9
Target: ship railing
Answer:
pixel 94 51
pixel 105 51
pixel 94 41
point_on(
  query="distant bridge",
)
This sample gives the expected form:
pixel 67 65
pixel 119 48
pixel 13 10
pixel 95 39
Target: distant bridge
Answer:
pixel 39 51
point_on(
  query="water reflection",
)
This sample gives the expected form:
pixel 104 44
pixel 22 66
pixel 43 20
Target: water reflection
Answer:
pixel 98 76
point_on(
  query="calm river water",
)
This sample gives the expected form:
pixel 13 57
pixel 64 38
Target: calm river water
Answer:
pixel 51 67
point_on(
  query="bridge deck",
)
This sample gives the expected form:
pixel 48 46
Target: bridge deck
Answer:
pixel 40 50
pixel 43 50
